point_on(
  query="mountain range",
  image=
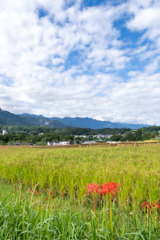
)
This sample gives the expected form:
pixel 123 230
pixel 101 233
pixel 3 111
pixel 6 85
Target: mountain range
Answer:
pixel 7 118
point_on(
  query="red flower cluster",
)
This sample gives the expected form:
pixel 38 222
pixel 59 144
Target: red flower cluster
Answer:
pixel 109 187
pixel 148 206
pixel 93 187
pixel 156 204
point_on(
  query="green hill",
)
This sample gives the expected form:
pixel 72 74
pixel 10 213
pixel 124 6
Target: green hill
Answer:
pixel 7 118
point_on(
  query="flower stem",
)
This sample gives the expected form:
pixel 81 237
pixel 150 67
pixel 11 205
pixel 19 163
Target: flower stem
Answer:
pixel 111 220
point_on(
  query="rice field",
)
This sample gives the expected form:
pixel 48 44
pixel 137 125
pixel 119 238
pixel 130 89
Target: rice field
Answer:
pixel 51 186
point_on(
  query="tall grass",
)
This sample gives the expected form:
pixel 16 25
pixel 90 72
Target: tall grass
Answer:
pixel 20 219
pixel 43 193
pixel 67 172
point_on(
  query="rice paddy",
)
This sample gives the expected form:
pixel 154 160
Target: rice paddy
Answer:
pixel 51 186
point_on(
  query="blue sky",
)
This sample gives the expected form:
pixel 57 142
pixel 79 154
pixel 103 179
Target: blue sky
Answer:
pixel 98 59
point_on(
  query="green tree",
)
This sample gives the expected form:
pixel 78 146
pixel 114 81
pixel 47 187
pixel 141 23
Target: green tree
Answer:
pixel 69 138
pixel 130 136
pixel 138 135
pixel 115 138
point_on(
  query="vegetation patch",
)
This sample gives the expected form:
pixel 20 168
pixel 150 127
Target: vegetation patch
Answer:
pixel 80 193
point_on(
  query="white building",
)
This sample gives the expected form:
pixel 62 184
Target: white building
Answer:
pixel 83 136
pixel 108 136
pixel 58 143
pixel 65 143
pixel 4 132
pixel 99 136
pixel 89 142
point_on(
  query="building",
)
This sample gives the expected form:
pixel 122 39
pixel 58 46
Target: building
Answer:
pixel 108 136
pixel 64 143
pixel 4 132
pixel 16 144
pixel 51 143
pixel 89 142
pixel 83 136
pixel 99 136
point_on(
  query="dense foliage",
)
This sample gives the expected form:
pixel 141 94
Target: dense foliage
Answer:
pixel 26 134
pixel 35 130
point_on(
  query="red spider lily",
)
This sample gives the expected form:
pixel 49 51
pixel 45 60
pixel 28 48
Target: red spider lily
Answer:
pixel 109 187
pixel 93 187
pixel 17 188
pixel 31 190
pixel 47 199
pixel 20 181
pixel 156 204
pixel 50 193
pixel 52 197
pixel 146 205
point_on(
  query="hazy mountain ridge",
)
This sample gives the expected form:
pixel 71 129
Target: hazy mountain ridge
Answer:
pixel 90 123
pixel 7 118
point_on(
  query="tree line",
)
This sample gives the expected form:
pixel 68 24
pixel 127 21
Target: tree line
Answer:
pixel 24 134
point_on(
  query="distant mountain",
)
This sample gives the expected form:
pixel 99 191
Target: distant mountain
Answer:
pixel 132 126
pixel 52 119
pixel 96 124
pixel 32 121
pixel 7 118
pixel 90 123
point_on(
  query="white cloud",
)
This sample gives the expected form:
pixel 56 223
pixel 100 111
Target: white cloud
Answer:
pixel 39 75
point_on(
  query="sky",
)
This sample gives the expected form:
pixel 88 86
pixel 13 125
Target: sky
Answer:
pixel 91 58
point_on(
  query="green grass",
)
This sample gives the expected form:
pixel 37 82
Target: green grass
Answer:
pixel 70 215
pixel 20 220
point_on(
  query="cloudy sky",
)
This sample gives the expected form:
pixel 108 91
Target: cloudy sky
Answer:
pixel 91 58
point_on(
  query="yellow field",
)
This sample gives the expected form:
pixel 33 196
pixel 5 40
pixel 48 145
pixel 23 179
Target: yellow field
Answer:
pixel 154 140
pixel 67 171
